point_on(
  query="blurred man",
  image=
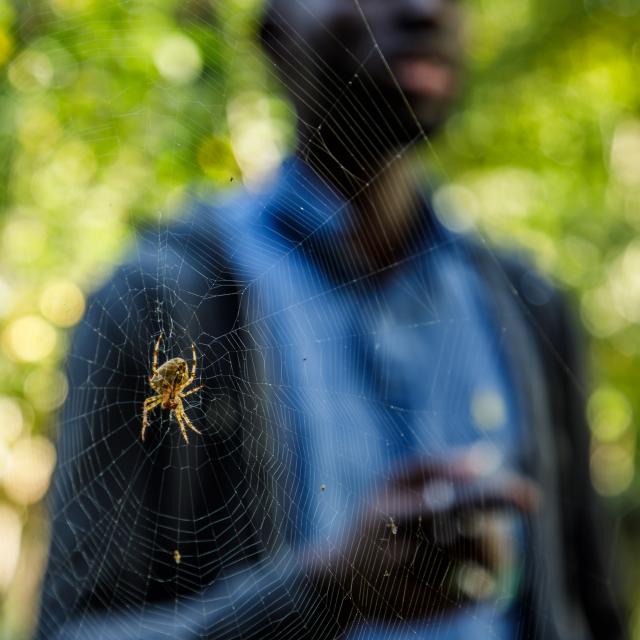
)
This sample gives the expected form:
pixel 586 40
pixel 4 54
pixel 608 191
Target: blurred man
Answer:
pixel 393 442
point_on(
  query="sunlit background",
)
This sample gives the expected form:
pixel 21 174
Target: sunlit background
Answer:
pixel 111 111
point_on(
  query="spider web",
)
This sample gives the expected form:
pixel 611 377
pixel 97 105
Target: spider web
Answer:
pixel 205 539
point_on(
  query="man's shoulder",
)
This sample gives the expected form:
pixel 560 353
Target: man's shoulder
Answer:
pixel 517 270
pixel 544 305
pixel 182 263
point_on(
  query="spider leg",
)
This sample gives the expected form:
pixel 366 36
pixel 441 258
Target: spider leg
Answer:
pixel 156 349
pixel 193 361
pixel 181 416
pixel 149 404
pixel 184 395
pixel 190 424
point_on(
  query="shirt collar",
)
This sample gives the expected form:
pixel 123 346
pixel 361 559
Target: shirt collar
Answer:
pixel 302 205
pixel 303 209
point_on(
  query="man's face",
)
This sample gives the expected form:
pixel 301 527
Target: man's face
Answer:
pixel 403 51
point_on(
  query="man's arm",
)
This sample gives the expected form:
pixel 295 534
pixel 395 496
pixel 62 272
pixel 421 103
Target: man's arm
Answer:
pixel 585 529
pixel 121 509
pixel 588 536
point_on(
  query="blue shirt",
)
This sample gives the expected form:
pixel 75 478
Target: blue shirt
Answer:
pixel 364 371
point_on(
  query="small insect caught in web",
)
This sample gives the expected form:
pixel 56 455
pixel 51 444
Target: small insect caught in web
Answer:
pixel 169 381
pixel 177 557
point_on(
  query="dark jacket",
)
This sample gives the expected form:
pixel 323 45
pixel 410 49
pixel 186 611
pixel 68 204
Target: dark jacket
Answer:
pixel 168 541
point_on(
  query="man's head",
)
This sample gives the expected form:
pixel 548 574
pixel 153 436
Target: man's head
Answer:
pixel 393 64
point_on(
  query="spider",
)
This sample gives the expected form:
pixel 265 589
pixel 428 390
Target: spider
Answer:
pixel 169 380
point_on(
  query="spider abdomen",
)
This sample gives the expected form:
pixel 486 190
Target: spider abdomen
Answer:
pixel 171 375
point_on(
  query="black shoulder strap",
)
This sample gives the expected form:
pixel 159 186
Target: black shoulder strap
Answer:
pixel 524 306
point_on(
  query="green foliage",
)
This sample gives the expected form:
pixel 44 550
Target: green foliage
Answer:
pixel 110 109
pixel 545 153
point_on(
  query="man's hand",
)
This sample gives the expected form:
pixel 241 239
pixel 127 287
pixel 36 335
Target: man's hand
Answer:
pixel 404 555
